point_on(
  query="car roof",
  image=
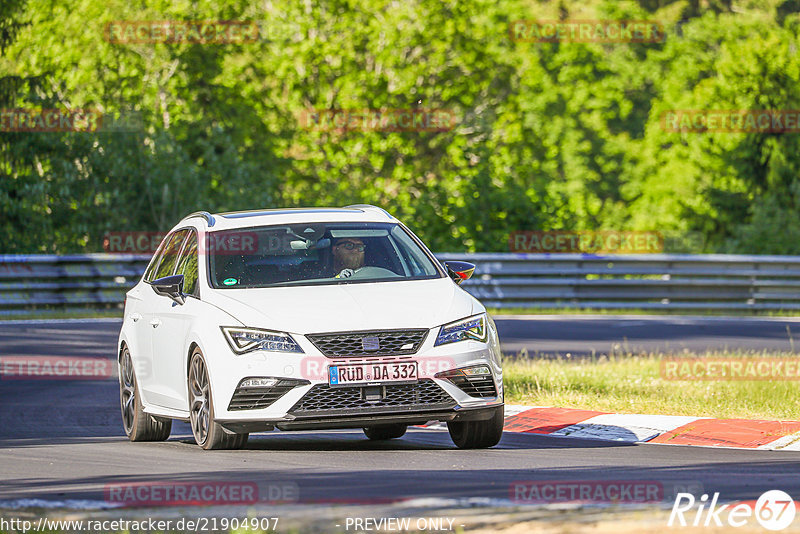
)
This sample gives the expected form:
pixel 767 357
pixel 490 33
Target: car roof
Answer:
pixel 264 217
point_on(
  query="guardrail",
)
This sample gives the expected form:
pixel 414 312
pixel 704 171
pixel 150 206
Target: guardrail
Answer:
pixel 33 284
pixel 643 281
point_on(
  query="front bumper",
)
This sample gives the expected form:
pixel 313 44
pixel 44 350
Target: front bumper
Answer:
pixel 360 421
pixel 304 377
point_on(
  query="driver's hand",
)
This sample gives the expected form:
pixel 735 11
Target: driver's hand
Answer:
pixel 346 273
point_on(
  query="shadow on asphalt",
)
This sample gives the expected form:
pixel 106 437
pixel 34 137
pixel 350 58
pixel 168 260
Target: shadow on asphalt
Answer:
pixel 368 486
pixel 318 441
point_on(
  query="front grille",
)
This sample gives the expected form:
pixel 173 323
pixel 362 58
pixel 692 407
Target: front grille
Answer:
pixel 475 386
pixel 325 400
pixel 255 398
pixel 390 342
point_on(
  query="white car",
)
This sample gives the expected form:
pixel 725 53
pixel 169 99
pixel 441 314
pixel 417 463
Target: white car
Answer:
pixel 305 319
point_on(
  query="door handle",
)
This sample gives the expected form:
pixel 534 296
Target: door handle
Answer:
pixel 135 316
pixel 155 323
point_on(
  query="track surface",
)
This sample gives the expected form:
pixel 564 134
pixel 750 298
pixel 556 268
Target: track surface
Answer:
pixel 540 334
pixel 63 440
pixel 584 335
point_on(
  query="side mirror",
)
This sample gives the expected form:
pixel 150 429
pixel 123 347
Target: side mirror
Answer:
pixel 459 270
pixel 170 286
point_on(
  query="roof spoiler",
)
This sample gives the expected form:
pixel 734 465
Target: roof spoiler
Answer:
pixel 204 214
pixel 370 207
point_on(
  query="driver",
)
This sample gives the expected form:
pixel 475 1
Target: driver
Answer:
pixel 348 256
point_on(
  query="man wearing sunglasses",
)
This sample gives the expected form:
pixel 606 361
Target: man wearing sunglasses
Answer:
pixel 348 256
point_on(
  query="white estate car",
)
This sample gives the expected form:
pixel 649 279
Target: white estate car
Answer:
pixel 304 319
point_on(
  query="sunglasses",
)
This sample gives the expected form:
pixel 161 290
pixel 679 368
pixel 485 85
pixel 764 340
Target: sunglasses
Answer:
pixel 349 245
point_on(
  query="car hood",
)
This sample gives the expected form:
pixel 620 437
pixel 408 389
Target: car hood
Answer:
pixel 343 307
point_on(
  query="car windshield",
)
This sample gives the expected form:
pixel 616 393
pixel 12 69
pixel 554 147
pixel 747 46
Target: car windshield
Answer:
pixel 316 253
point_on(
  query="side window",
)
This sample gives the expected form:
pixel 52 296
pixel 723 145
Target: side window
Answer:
pixel 159 254
pixel 170 254
pixel 187 265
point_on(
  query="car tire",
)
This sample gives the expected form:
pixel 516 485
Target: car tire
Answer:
pixel 209 434
pixel 477 434
pixel 138 425
pixel 384 432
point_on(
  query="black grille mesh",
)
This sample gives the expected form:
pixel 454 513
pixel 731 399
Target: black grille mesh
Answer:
pixel 392 342
pixel 255 398
pixel 475 386
pixel 325 400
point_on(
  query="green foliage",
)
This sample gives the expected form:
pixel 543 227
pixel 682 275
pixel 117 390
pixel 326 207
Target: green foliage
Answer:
pixel 547 135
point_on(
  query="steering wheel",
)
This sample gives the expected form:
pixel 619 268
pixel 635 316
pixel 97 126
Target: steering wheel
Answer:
pixel 346 273
pixel 367 271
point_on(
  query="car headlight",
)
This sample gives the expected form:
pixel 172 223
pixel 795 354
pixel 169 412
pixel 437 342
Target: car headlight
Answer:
pixel 243 340
pixel 470 328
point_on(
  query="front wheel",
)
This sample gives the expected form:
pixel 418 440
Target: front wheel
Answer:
pixel 477 434
pixel 207 432
pixel 138 425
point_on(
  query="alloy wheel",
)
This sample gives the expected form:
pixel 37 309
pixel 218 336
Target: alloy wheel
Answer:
pixel 127 391
pixel 198 387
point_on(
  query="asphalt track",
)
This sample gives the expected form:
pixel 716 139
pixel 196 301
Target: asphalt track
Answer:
pixel 587 335
pixel 62 439
pixel 543 335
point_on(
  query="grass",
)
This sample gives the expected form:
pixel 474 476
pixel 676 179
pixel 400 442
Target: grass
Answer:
pixel 633 384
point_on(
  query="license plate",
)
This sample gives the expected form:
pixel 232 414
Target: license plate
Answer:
pixel 372 373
